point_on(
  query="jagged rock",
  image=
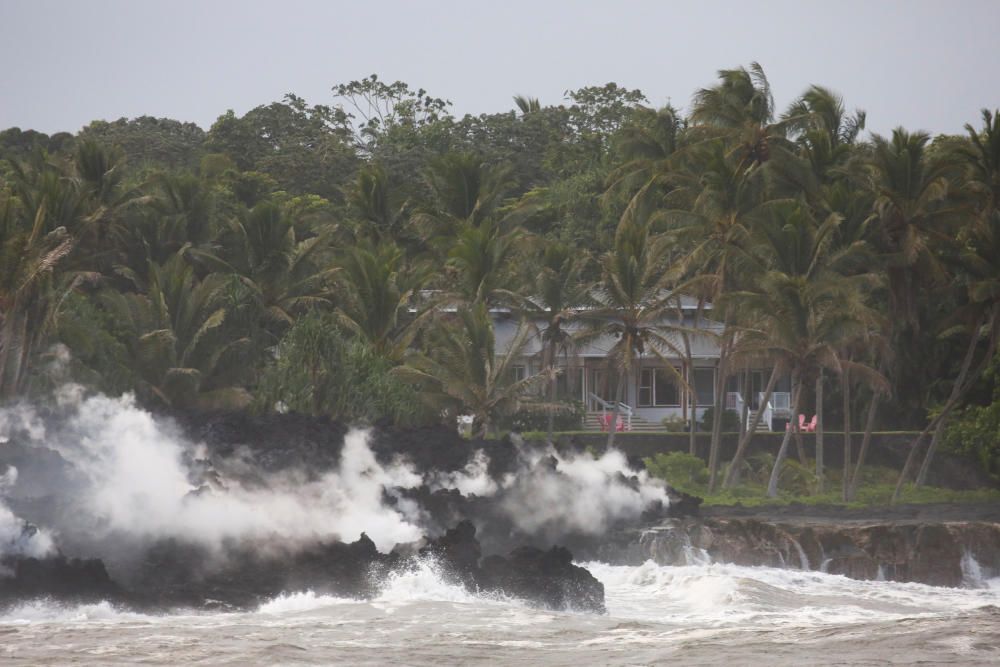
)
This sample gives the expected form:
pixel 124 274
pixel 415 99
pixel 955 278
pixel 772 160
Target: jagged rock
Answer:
pixel 682 504
pixel 547 578
pixel 458 550
pixel 58 577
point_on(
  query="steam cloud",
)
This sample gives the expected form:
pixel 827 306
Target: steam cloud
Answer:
pixel 134 478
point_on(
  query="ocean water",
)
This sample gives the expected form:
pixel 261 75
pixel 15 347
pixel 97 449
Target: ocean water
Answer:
pixel 707 614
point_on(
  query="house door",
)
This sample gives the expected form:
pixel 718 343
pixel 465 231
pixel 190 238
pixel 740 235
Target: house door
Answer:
pixel 601 385
pixel 757 384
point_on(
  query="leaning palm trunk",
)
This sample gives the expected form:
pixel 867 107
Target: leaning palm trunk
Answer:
pixel 772 484
pixel 800 447
pixel 718 403
pixel 957 390
pixel 745 407
pixel 931 449
pixel 692 418
pixel 613 424
pixel 939 430
pixel 852 488
pixel 551 364
pixel 820 472
pixel 732 477
pixel 845 490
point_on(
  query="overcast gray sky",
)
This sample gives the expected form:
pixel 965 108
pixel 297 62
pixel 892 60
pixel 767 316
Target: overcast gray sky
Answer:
pixel 924 65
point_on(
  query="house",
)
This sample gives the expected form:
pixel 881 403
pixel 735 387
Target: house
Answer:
pixel 652 392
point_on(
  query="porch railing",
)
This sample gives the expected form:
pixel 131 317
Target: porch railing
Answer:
pixel 734 401
pixel 608 408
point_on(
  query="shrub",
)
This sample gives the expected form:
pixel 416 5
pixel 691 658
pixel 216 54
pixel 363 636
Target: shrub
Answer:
pixel 319 369
pixel 681 470
pixel 975 433
pixel 674 423
pixel 568 418
pixel 730 420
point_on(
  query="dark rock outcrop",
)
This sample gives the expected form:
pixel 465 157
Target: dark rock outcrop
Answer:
pixel 79 580
pixel 548 578
pixel 173 574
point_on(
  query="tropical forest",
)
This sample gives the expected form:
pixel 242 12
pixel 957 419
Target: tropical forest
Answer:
pixel 342 259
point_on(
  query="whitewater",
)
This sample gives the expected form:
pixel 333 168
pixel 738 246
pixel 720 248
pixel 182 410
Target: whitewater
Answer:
pixel 707 614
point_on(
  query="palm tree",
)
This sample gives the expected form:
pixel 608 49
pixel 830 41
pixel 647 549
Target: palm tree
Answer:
pixel 979 258
pixel 740 108
pixel 466 190
pixel 379 206
pixel 559 294
pixel 29 289
pixel 527 104
pixel 285 276
pixel 715 202
pixel 179 345
pixel 802 309
pixel 378 297
pixel 480 264
pixel 649 148
pixel 466 373
pixel 911 216
pixel 633 307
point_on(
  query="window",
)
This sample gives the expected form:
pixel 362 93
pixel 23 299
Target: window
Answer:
pixel 665 388
pixel 704 385
pixel 518 373
pixel 657 387
pixel 569 383
pixel 646 387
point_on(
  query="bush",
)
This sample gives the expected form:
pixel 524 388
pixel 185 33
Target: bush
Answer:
pixel 319 369
pixel 568 418
pixel 674 424
pixel 730 420
pixel 975 433
pixel 682 471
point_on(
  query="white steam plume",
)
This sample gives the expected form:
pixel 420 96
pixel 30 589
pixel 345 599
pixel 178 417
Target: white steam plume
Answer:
pixel 137 485
pixel 17 538
pixel 584 494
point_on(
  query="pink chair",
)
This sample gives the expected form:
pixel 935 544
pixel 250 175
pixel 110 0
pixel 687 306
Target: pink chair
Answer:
pixel 804 426
pixel 606 423
pixel 811 426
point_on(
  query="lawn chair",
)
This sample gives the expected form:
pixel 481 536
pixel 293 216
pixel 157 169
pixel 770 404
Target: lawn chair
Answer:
pixel 606 423
pixel 811 426
pixel 804 426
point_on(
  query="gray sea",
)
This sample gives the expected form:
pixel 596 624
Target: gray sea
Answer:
pixel 709 614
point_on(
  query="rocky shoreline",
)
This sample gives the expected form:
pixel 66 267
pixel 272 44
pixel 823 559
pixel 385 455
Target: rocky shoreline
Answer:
pixel 478 530
pixel 949 544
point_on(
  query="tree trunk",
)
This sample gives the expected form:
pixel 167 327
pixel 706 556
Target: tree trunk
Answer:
pixel 772 484
pixel 613 425
pixel 718 405
pixel 745 408
pixel 847 435
pixel 820 472
pixel 550 365
pixel 852 489
pixel 733 476
pixel 931 449
pixel 957 390
pixel 799 447
pixel 956 396
pixel 693 417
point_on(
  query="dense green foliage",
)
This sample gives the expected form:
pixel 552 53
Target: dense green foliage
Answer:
pixel 319 370
pixel 344 258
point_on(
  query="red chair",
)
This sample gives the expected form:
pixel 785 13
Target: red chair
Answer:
pixel 606 423
pixel 804 426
